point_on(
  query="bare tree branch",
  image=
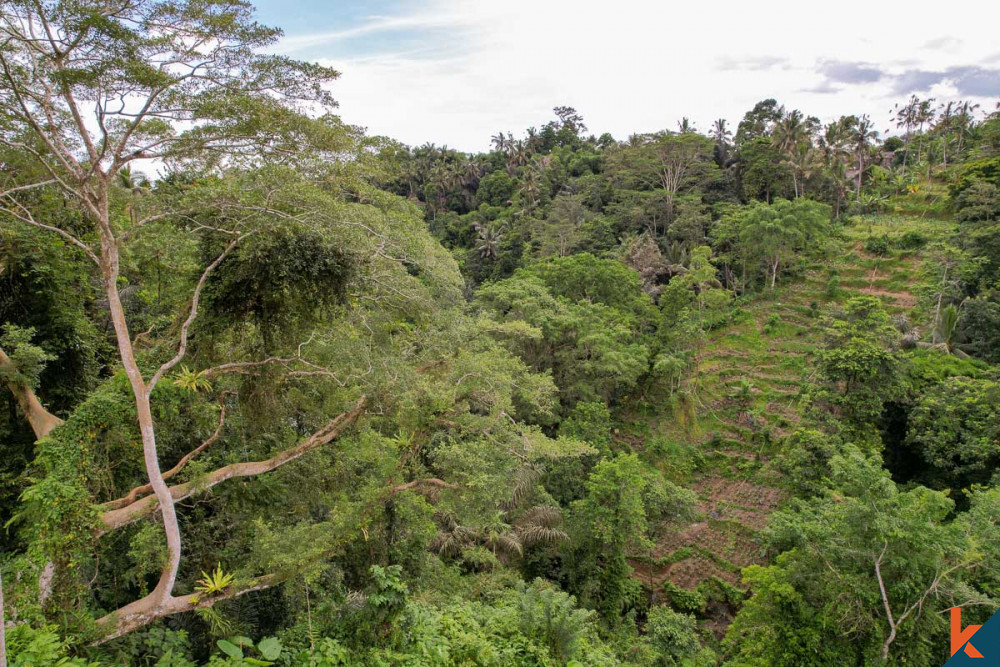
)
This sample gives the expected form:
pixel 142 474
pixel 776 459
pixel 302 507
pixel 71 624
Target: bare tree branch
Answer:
pixel 132 495
pixel 182 347
pixel 146 506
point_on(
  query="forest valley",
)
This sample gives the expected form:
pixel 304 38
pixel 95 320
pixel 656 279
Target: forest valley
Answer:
pixel 311 397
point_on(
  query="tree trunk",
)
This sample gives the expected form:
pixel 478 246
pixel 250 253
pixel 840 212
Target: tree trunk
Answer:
pixel 937 310
pixel 3 628
pixel 41 420
pixel 861 162
pixel 110 269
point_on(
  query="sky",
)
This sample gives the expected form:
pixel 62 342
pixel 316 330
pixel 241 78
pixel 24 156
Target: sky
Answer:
pixel 456 72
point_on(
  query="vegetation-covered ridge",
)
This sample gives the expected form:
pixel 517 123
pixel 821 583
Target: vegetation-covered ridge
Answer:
pixel 311 397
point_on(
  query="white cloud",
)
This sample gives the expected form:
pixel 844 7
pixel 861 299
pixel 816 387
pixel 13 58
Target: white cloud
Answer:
pixel 632 65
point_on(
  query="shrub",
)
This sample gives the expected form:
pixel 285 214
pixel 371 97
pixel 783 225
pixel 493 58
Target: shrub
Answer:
pixel 673 635
pixel 833 287
pixel 911 240
pixel 878 245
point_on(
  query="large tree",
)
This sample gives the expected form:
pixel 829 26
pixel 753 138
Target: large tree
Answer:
pixel 88 89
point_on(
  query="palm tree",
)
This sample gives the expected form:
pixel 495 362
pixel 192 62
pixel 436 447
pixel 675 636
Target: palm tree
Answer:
pixel 835 152
pixel 944 127
pixel 488 240
pixel 499 141
pixel 906 119
pixel 530 189
pixel 789 134
pixel 720 132
pixel 966 121
pixel 533 140
pixel 517 156
pixel 137 184
pixel 722 136
pixel 925 114
pixel 862 135
pixel 802 162
pixel 684 126
pixel 134 181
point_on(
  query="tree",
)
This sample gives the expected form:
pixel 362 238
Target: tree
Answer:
pixel 860 361
pixel 673 635
pixel 863 133
pixel 980 328
pixel 89 88
pixel 722 136
pixel 906 119
pixel 863 573
pixel 763 173
pixel 771 234
pixel 594 351
pixel 789 134
pixel 955 428
pixel 666 161
pixel 759 121
pixel 610 523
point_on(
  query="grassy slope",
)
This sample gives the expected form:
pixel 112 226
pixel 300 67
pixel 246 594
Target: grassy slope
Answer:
pixel 772 344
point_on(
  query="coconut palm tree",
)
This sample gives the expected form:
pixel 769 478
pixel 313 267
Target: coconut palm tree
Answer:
pixel 788 135
pixel 862 135
pixel 488 240
pixel 906 119
pixel 517 156
pixel 966 121
pixel 499 142
pixel 722 137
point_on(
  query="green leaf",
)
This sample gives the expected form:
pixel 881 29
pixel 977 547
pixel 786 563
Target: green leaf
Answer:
pixel 270 648
pixel 230 649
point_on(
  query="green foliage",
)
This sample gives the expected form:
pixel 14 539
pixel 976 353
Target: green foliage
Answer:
pixel 236 648
pixel 592 350
pixel 759 240
pixel 518 416
pixel 551 617
pixel 980 328
pixel 216 582
pixel 29 647
pixel 878 245
pixel 192 381
pixel 824 587
pixel 805 461
pixel 986 170
pixel 282 280
pixel 26 360
pixel 860 364
pixel 911 240
pixel 583 277
pixel 673 635
pixel 609 523
pixel 496 189
pixel 955 428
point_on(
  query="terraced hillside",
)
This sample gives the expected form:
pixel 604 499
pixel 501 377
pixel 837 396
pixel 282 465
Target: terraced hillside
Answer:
pixel 746 395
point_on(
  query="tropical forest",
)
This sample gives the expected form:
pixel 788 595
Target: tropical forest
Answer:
pixel 278 390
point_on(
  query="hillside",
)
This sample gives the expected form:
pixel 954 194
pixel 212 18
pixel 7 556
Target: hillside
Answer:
pixel 747 397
